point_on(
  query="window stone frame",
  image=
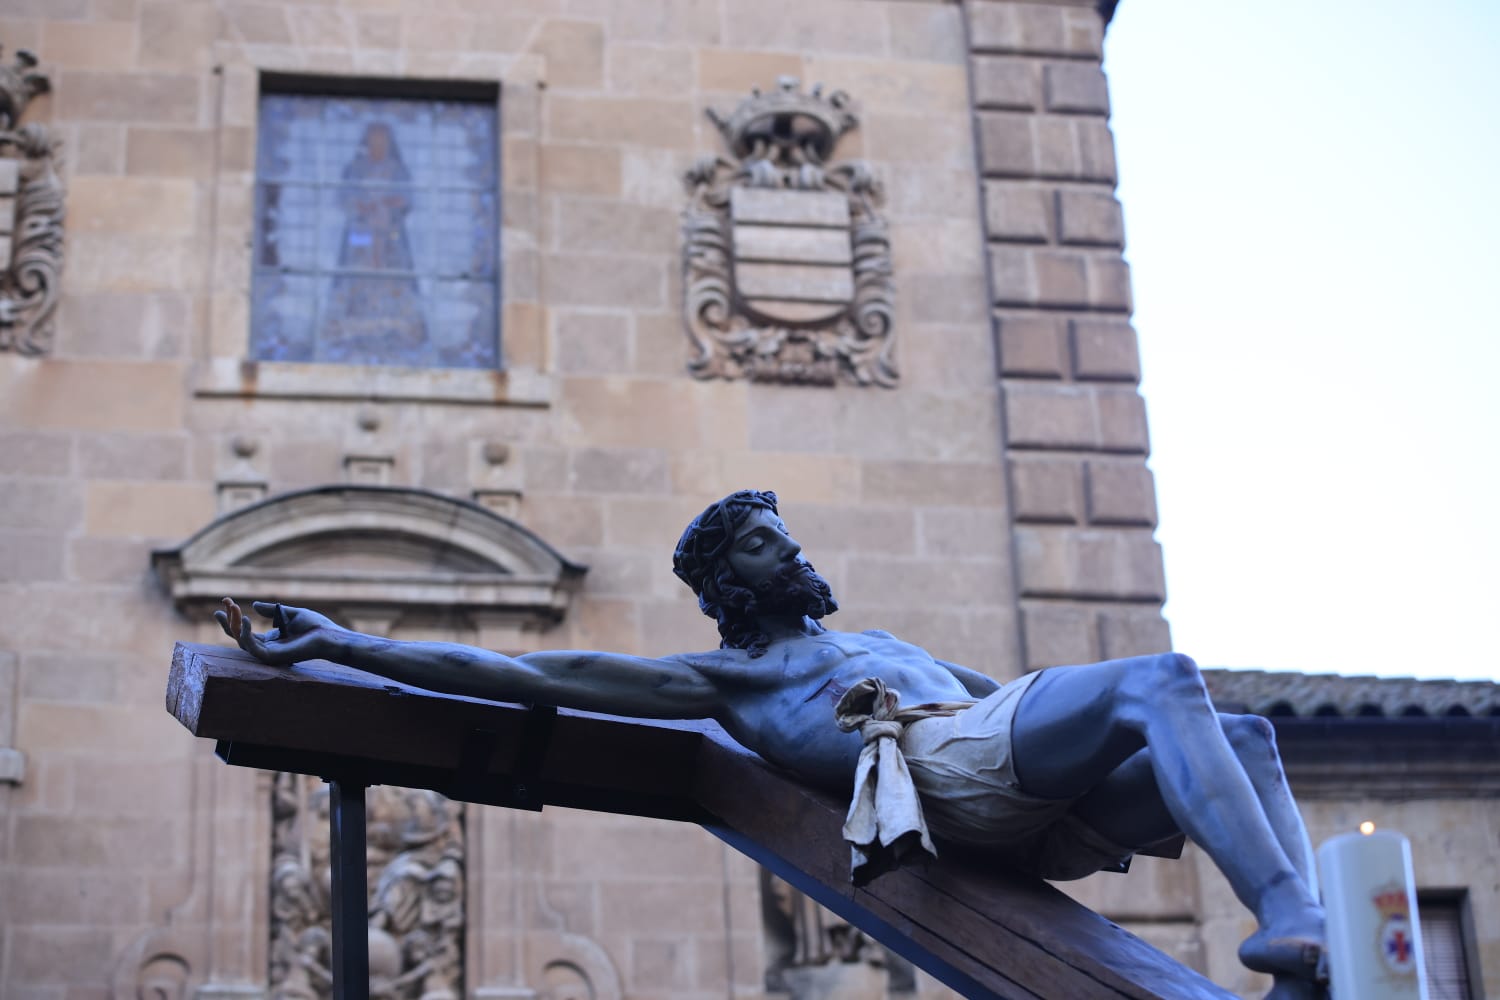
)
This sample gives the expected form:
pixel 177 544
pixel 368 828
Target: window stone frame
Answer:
pixel 223 367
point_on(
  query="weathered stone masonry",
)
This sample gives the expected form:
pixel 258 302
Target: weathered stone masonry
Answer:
pixel 1083 505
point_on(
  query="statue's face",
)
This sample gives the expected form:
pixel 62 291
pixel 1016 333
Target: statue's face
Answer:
pixel 762 548
pixel 378 142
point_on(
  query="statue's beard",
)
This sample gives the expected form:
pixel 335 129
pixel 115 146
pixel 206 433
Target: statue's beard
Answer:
pixel 794 589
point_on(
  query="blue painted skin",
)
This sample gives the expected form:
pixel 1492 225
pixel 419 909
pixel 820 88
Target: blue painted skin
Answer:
pixel 1135 742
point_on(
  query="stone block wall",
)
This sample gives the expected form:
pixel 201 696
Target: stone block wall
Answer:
pixel 1088 571
pixel 129 858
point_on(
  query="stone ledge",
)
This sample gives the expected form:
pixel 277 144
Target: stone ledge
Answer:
pixel 12 766
pixel 233 378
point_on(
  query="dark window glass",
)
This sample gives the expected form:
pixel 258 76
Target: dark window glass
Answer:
pixel 375 232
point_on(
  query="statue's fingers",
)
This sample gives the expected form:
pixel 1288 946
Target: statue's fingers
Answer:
pixel 249 642
pixel 234 615
pixel 279 614
pixel 222 617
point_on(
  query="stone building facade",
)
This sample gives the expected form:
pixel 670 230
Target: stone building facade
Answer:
pixel 929 355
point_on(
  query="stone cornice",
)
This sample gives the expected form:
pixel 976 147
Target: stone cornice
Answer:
pixel 1382 758
pixel 362 551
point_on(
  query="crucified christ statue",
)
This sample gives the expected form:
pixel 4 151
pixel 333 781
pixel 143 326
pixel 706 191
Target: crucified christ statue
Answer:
pixel 1063 772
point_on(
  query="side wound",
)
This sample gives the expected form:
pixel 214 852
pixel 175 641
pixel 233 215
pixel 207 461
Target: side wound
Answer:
pixel 831 688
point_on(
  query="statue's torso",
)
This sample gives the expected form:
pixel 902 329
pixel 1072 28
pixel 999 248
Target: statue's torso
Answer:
pixel 781 704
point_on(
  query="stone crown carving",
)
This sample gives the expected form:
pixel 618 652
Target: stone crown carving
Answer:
pixel 31 214
pixel 354 550
pixel 798 126
pixel 787 260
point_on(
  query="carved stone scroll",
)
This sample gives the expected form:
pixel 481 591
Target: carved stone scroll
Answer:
pixel 787 261
pixel 31 214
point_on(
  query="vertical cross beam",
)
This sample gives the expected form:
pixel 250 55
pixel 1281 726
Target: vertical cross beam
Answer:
pixel 351 927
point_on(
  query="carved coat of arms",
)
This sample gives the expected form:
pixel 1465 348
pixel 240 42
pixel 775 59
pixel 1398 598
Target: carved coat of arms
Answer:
pixel 31 214
pixel 788 263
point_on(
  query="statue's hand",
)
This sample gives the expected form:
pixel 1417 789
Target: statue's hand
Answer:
pixel 299 634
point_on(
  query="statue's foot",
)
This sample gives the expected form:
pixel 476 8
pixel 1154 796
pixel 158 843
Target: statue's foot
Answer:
pixel 1285 955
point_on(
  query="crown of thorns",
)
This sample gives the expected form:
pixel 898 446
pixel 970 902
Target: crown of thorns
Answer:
pixel 707 538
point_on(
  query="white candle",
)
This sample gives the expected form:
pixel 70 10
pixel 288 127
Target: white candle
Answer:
pixel 1374 942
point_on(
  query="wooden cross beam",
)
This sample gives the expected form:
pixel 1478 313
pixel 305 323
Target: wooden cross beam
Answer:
pixel 985 931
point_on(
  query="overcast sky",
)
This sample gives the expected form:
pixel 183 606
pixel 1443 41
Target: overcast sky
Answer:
pixel 1312 205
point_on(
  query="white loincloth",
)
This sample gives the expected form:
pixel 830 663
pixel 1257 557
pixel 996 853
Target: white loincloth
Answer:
pixel 948 765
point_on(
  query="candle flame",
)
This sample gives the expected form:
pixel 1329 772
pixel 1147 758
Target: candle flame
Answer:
pixel 1367 828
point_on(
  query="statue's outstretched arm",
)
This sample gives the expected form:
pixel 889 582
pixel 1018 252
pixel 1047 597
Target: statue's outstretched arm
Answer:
pixel 667 688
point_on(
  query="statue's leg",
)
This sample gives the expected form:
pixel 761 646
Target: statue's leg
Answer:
pixel 1253 739
pixel 1077 726
pixel 1127 807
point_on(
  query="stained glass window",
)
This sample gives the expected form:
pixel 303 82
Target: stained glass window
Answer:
pixel 375 236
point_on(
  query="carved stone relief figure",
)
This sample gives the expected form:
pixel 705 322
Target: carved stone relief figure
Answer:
pixel 787 261
pixel 806 945
pixel 416 915
pixel 31 214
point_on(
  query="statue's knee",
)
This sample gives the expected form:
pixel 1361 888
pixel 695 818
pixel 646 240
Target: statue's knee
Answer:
pixel 1250 734
pixel 1164 682
pixel 1177 675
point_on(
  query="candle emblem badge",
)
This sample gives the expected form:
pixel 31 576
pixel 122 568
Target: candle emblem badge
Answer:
pixel 1397 949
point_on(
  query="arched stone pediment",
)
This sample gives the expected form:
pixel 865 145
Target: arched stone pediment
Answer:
pixel 372 551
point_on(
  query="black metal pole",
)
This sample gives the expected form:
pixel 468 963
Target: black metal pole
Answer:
pixel 351 927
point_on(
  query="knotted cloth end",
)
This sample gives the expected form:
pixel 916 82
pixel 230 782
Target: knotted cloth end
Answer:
pixel 885 822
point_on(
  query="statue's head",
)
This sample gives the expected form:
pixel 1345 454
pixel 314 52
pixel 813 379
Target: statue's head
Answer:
pixel 702 562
